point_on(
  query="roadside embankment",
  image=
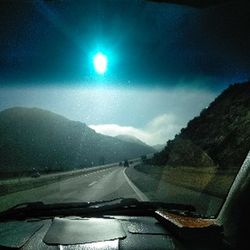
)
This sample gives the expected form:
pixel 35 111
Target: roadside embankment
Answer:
pixel 21 184
pixel 213 181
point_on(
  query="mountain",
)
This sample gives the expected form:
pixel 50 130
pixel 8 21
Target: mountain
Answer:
pixel 159 147
pixel 219 136
pixel 36 138
pixel 130 138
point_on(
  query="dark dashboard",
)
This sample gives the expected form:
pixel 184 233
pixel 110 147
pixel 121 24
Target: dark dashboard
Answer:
pixel 108 232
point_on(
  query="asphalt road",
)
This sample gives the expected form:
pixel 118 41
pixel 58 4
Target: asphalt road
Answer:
pixel 107 184
pixel 102 184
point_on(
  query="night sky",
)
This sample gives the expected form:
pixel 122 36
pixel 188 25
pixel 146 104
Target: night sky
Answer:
pixel 154 51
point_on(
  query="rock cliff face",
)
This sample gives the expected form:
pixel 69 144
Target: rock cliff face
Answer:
pixel 219 136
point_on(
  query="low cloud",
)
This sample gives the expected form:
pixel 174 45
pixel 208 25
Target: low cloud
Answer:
pixel 156 131
pixel 152 115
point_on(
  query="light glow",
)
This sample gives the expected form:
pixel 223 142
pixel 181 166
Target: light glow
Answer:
pixel 100 63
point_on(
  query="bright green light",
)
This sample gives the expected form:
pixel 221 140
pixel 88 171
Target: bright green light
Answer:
pixel 100 63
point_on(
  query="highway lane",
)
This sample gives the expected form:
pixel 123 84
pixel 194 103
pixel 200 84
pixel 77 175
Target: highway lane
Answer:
pixel 102 184
pixel 108 184
pixel 99 185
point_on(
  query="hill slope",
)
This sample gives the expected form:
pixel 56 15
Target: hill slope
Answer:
pixel 219 136
pixel 130 138
pixel 31 137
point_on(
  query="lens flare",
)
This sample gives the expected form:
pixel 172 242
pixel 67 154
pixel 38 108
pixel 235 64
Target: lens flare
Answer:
pixel 100 63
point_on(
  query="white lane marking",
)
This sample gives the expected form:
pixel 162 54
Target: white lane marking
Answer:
pixel 92 183
pixel 94 172
pixel 97 171
pixel 141 195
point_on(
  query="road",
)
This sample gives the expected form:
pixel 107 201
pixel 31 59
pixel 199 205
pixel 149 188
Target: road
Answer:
pixel 105 184
pixel 98 185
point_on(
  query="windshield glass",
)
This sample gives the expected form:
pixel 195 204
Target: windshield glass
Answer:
pixel 134 99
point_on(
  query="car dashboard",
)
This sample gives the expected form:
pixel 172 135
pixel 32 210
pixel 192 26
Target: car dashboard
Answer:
pixel 106 232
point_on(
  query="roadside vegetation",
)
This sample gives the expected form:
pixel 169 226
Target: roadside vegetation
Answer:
pixel 207 180
pixel 219 137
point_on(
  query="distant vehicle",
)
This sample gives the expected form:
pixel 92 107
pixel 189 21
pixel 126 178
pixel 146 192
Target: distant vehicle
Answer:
pixel 131 162
pixel 143 158
pixel 126 164
pixel 120 163
pixel 35 175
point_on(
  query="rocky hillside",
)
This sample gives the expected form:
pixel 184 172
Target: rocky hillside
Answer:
pixel 130 138
pixel 35 138
pixel 219 136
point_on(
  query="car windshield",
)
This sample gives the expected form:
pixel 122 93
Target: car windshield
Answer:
pixel 136 99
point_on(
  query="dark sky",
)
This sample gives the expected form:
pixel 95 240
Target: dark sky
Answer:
pixel 145 42
pixel 166 62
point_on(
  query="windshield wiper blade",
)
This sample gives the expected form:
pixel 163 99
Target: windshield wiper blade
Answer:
pixel 42 205
pixel 39 209
pixel 39 205
pixel 132 203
